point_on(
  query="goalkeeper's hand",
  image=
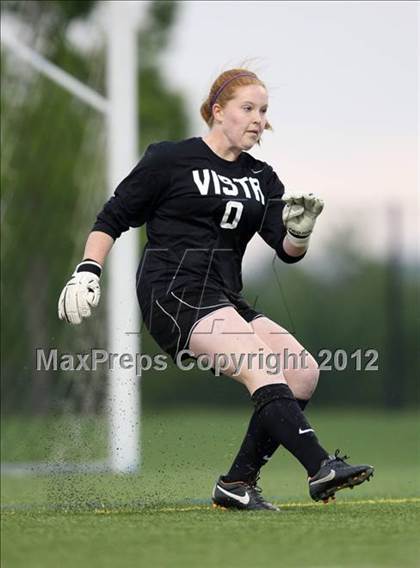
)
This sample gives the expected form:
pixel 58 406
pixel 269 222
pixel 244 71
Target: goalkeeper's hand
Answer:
pixel 299 216
pixel 80 293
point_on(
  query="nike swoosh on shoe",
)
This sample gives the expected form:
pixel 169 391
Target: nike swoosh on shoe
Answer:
pixel 328 477
pixel 244 499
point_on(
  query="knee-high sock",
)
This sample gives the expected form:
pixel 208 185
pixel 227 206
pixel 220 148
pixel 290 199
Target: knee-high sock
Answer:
pixel 256 449
pixel 285 423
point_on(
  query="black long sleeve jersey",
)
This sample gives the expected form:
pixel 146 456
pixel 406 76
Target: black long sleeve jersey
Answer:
pixel 201 211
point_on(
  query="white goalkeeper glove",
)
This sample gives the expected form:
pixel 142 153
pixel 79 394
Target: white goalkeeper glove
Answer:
pixel 299 216
pixel 80 293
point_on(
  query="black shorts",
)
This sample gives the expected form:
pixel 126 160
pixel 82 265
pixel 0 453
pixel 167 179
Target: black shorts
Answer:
pixel 171 318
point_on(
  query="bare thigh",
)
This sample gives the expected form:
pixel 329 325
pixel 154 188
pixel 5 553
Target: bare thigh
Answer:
pixel 224 336
pixel 300 369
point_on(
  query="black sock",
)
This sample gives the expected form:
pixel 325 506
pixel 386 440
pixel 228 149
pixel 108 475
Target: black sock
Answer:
pixel 255 451
pixel 302 403
pixel 282 418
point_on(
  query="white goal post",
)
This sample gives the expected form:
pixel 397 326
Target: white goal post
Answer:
pixel 121 114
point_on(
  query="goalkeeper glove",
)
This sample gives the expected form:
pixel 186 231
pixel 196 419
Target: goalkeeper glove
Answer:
pixel 80 293
pixel 299 216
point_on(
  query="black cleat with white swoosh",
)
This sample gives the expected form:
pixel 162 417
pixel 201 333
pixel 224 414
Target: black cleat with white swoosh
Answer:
pixel 242 495
pixel 335 474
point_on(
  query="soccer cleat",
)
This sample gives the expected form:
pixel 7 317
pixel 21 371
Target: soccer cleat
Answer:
pixel 335 474
pixel 242 495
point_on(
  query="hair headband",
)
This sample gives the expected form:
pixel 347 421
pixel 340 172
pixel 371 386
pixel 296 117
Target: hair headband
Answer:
pixel 220 89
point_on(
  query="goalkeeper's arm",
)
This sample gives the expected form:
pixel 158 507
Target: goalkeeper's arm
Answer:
pixel 82 291
pixel 98 246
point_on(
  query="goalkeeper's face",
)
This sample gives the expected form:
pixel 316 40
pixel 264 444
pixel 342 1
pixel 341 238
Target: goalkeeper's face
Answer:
pixel 244 117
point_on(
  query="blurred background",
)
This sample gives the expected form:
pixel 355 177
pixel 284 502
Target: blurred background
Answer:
pixel 342 80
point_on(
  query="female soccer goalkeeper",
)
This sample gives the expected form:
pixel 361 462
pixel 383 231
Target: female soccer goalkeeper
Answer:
pixel 202 200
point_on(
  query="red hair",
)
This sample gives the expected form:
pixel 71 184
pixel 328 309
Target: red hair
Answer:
pixel 224 88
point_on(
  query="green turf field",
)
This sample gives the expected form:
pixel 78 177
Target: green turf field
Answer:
pixel 163 517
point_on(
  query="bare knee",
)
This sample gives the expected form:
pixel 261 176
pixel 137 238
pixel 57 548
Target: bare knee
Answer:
pixel 303 379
